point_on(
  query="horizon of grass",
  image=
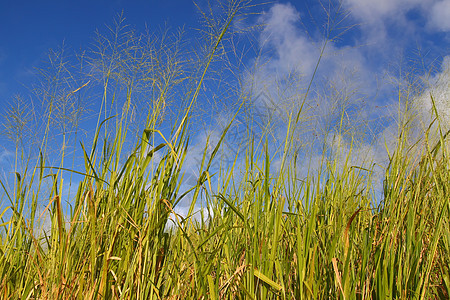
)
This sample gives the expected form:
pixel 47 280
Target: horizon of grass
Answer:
pixel 267 234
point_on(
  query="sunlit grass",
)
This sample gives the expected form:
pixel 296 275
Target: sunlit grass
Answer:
pixel 265 233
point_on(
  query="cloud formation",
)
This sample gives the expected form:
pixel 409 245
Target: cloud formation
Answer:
pixel 288 64
pixel 350 78
pixel 438 90
pixel 349 85
pixel 439 17
pixel 378 17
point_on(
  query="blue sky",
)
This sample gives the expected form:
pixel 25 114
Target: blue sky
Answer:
pixel 385 31
pixel 374 47
pixel 28 29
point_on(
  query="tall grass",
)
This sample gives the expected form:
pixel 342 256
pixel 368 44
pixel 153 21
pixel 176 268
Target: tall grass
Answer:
pixel 263 235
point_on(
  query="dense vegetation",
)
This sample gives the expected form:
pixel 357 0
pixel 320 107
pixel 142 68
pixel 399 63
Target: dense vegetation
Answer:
pixel 264 232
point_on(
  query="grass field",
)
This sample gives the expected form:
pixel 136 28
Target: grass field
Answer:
pixel 263 231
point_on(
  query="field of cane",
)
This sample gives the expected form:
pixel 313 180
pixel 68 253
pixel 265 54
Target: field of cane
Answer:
pixel 255 228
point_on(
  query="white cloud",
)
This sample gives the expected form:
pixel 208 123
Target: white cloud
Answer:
pixel 373 11
pixel 5 155
pixel 291 49
pixel 181 212
pixel 374 17
pixel 287 64
pixel 389 24
pixel 208 139
pixel 439 17
pixel 348 79
pixel 439 89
